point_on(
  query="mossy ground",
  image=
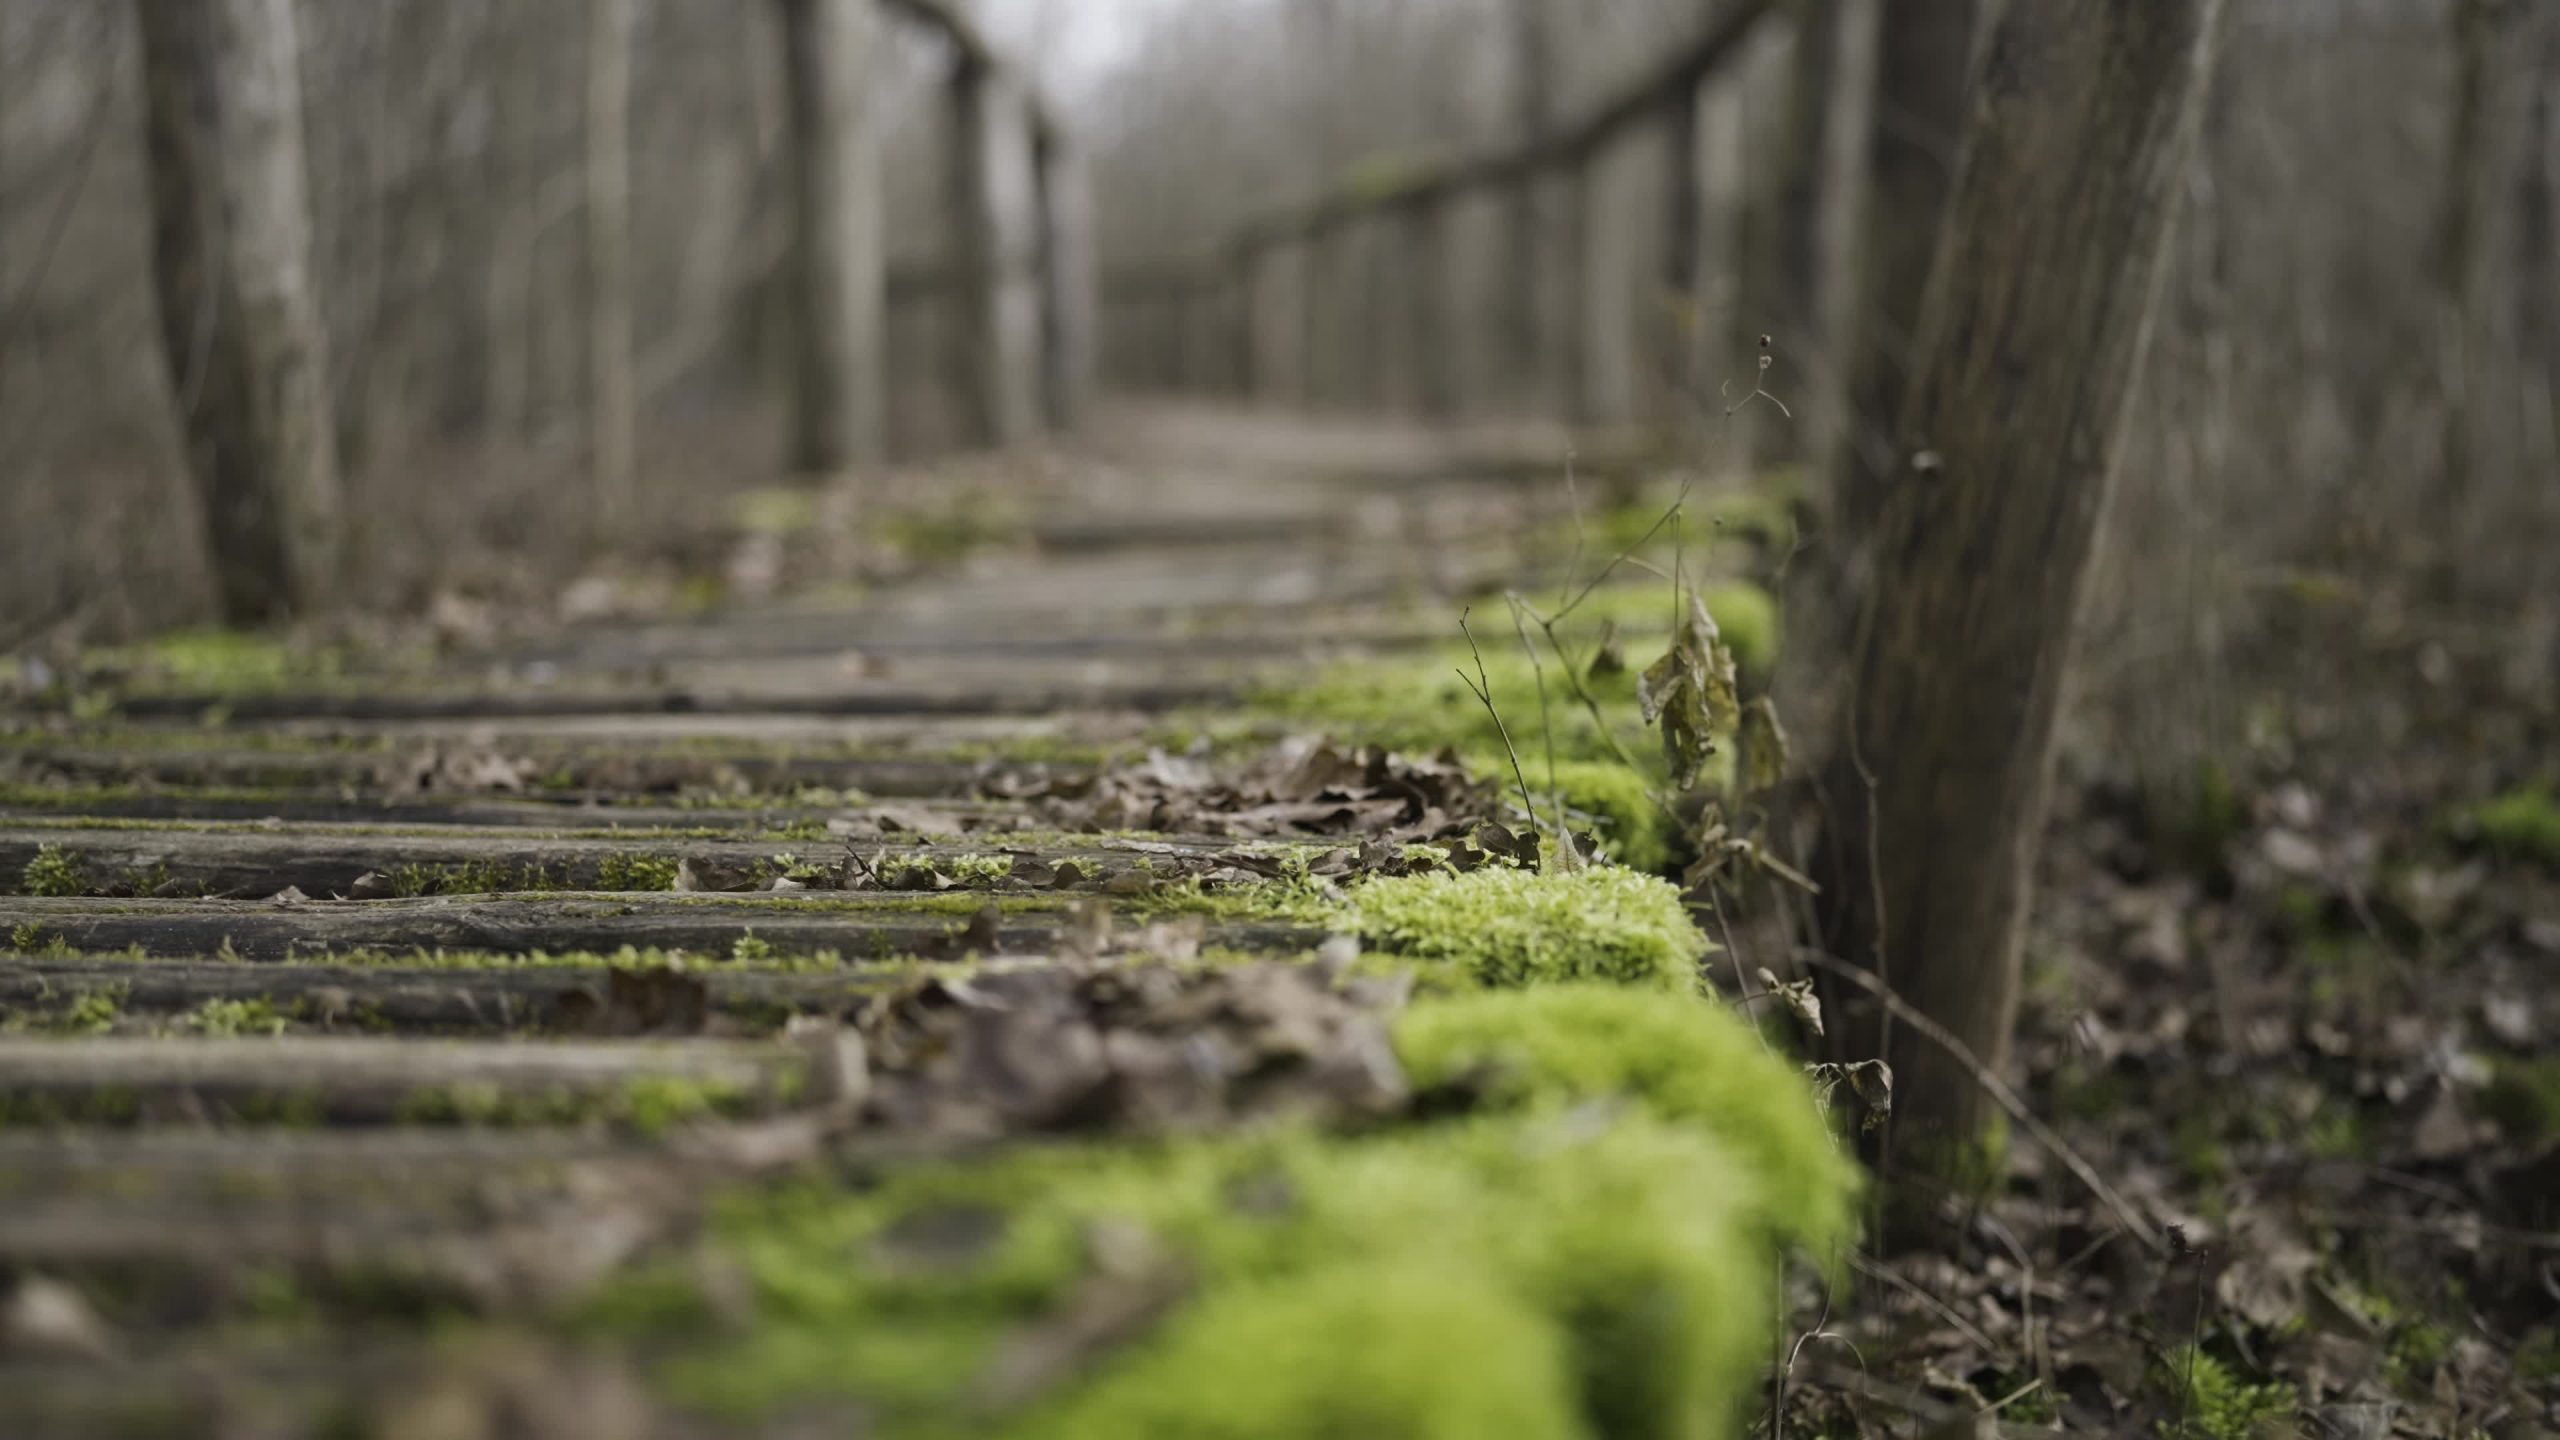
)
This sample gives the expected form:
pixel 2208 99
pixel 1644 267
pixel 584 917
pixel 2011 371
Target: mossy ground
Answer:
pixel 1535 1263
pixel 2522 824
pixel 1506 928
pixel 1570 758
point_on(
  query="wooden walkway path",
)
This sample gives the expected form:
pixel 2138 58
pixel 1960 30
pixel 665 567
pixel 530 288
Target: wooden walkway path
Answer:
pixel 457 991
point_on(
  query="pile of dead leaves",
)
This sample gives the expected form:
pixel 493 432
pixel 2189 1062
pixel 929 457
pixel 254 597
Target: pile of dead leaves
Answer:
pixel 1300 787
pixel 1151 1048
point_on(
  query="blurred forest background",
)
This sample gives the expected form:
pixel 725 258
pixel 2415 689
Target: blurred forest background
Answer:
pixel 2280 961
pixel 2351 401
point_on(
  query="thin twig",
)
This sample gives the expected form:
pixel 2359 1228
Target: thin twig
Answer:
pixel 1483 689
pixel 1547 727
pixel 2000 1093
pixel 1932 1303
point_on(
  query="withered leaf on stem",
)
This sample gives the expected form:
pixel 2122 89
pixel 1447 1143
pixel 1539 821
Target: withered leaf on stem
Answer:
pixel 1692 694
pixel 1763 744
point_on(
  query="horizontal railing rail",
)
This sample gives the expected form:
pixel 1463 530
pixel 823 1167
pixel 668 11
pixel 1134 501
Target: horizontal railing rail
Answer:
pixel 1212 320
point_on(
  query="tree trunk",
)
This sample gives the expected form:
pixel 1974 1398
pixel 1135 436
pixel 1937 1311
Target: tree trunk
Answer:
pixel 612 395
pixel 231 261
pixel 838 266
pixel 2037 318
pixel 1901 148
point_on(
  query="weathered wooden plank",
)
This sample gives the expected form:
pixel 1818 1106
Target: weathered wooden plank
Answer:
pixel 859 927
pixel 119 1080
pixel 393 774
pixel 329 863
pixel 505 705
pixel 407 999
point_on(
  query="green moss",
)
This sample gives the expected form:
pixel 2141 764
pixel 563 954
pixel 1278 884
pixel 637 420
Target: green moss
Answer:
pixel 234 1018
pixel 636 872
pixel 1421 1350
pixel 655 1104
pixel 478 877
pixel 1745 614
pixel 1620 807
pixel 55 872
pixel 950 532
pixel 1506 927
pixel 776 510
pixel 1762 516
pixel 2522 824
pixel 2538 1358
pixel 1685 1059
pixel 2218 1404
pixel 91 1012
pixel 649 1105
pixel 220 661
pixel 2522 1099
pixel 1640 1250
pixel 1418 702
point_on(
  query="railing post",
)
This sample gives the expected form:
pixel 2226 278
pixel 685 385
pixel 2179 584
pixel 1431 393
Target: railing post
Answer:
pixel 1604 298
pixel 1311 330
pixel 839 266
pixel 1067 280
pixel 1240 273
pixel 994 200
pixel 1319 293
pixel 1431 348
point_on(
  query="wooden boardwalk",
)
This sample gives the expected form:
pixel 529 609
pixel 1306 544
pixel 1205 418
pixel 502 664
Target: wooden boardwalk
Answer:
pixel 463 988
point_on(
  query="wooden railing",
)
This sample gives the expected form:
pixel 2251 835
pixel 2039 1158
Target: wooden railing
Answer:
pixel 1018 282
pixel 1241 319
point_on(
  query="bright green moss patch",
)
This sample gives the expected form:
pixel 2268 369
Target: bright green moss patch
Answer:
pixel 1587 1253
pixel 2522 824
pixel 218 660
pixel 1418 702
pixel 55 872
pixel 1620 1268
pixel 1504 927
pixel 1645 613
pixel 234 1018
pixel 2218 1403
pixel 1417 1351
pixel 1614 805
pixel 1683 1058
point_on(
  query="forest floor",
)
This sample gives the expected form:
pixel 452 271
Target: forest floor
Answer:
pixel 1018 798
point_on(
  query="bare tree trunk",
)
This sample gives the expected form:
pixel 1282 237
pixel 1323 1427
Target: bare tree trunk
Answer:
pixel 1902 147
pixel 1923 58
pixel 839 268
pixel 2036 322
pixel 612 396
pixel 232 266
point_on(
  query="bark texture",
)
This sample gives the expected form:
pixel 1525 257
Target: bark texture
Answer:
pixel 1914 57
pixel 2038 315
pixel 231 262
pixel 839 265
